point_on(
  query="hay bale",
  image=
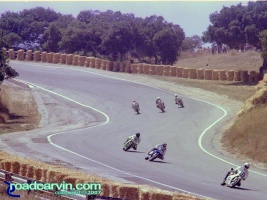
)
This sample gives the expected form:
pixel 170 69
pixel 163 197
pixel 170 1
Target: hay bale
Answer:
pixel 160 195
pixel 38 173
pixel 244 76
pixel 75 60
pixel 252 76
pixel 29 55
pixel 92 62
pixel 87 62
pixel 62 59
pixel 200 73
pixel 69 59
pixel 23 169
pixel 208 74
pixel 43 56
pixel 215 75
pixel 237 76
pixel 11 54
pixel 230 75
pixel 173 71
pixel 134 68
pixel 37 56
pixel 159 70
pixel 30 171
pixel 110 66
pixel 192 73
pixel 122 66
pixel 128 192
pixel 116 66
pixel 15 167
pixel 56 58
pixel 185 72
pixel 114 190
pixel 166 70
pixel 81 61
pixel 49 57
pixel 98 63
pixel 106 190
pixel 21 55
pixel 179 71
pixel 104 64
pixel 222 75
pixel 7 166
pixel 146 68
pixel 140 68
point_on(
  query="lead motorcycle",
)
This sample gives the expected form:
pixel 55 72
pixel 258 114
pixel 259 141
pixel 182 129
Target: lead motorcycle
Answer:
pixel 128 145
pixel 179 102
pixel 234 179
pixel 161 106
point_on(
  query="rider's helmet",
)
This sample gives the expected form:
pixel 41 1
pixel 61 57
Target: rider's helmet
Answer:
pixel 176 95
pixel 158 98
pixel 164 145
pixel 137 135
pixel 246 165
pixel 133 101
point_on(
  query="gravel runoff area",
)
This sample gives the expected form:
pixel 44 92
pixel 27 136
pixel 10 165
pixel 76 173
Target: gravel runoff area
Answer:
pixel 59 115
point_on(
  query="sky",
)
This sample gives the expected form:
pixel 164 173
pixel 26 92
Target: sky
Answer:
pixel 192 16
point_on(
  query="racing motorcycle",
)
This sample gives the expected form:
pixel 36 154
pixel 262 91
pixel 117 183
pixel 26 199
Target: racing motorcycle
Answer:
pixel 136 109
pixel 128 144
pixel 179 102
pixel 154 154
pixel 161 106
pixel 234 179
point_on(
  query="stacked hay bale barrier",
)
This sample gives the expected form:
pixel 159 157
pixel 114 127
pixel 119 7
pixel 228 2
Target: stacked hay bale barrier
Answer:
pixel 166 70
pixel 37 56
pixel 230 75
pixel 140 68
pixel 116 67
pixel 63 58
pixel 237 76
pixel 208 74
pixel 134 68
pixel 185 72
pixel 81 61
pixel 75 60
pixel 192 73
pixel 200 73
pixel 244 76
pixel 87 62
pixel 173 71
pixel 252 75
pixel 222 75
pixel 159 70
pixel 128 67
pixel 69 59
pixel 20 55
pixel 122 66
pixel 29 55
pixel 98 63
pixel 109 65
pixel 146 68
pixel 56 58
pixel 11 54
pixel 215 75
pixel 44 56
pixel 92 62
pixel 152 70
pixel 104 65
pixel 49 57
pixel 179 72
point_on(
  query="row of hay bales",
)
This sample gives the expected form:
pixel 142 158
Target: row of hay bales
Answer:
pixel 54 174
pixel 141 68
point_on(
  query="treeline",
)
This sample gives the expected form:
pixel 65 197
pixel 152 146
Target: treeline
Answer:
pixel 110 35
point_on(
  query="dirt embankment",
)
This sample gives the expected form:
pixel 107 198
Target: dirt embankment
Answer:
pixel 18 109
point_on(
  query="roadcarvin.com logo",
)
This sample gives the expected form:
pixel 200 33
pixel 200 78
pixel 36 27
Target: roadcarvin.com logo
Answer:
pixel 60 189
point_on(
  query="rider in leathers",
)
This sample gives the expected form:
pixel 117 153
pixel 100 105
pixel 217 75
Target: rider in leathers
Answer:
pixel 158 101
pixel 136 139
pixel 162 147
pixel 244 174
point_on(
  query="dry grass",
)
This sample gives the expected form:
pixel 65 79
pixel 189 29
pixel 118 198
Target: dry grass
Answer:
pixel 248 135
pixel 233 60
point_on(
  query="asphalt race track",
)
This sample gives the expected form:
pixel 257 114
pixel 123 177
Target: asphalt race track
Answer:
pixel 188 165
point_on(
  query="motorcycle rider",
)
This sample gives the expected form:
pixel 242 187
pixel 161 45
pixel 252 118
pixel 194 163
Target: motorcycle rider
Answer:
pixel 158 101
pixel 136 139
pixel 177 98
pixel 161 147
pixel 243 169
pixel 134 104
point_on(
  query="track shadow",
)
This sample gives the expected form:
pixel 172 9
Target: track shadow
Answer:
pixel 135 151
pixel 240 188
pixel 158 161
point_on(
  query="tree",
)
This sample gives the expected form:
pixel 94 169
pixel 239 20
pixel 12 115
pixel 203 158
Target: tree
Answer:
pixel 6 71
pixel 263 41
pixel 191 43
pixel 52 37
